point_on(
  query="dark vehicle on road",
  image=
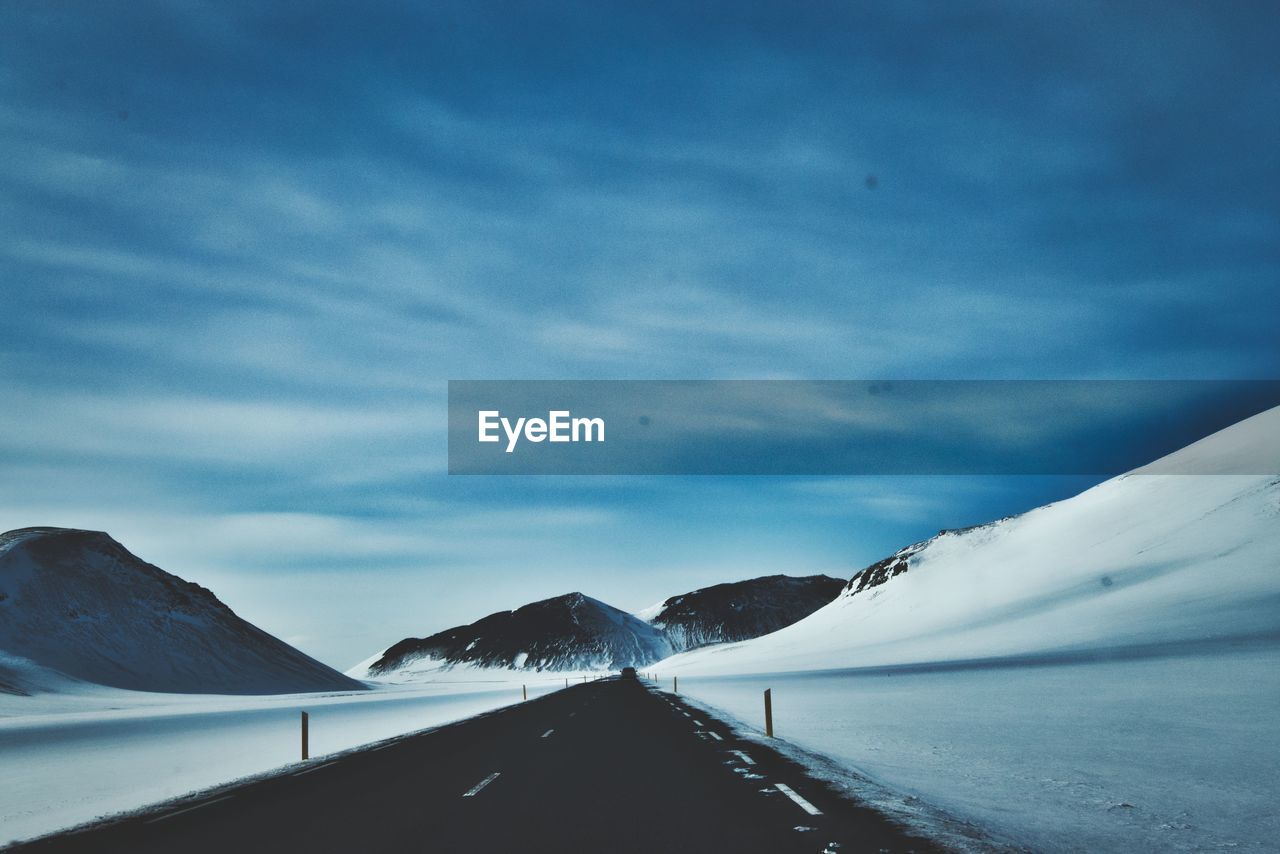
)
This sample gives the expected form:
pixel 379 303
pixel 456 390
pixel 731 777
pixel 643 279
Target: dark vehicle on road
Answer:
pixel 628 673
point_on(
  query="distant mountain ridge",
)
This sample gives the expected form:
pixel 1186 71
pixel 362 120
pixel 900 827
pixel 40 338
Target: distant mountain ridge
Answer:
pixel 575 632
pixel 741 610
pixel 78 604
pixel 564 633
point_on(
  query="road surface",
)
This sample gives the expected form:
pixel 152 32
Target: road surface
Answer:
pixel 608 766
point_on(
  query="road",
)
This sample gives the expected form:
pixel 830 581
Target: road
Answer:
pixel 608 766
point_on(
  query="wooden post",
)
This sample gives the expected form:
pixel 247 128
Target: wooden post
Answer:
pixel 306 748
pixel 768 712
pixel 524 692
pixel 675 684
pixel 566 683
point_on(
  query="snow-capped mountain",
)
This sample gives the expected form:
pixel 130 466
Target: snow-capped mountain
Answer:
pixel 1144 561
pixel 567 633
pixel 77 605
pixel 740 610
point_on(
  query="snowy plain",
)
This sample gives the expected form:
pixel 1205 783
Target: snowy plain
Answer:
pixel 71 758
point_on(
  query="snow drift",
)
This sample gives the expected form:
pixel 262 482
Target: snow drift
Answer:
pixel 77 605
pixel 1137 563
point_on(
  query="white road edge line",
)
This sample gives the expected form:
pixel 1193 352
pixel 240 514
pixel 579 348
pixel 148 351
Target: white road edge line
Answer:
pixel 713 735
pixel 744 757
pixel 188 809
pixel 804 805
pixel 475 790
pixel 548 732
pixel 309 770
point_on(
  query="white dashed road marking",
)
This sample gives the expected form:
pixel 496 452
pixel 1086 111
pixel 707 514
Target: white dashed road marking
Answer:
pixel 698 722
pixel 713 735
pixel 475 790
pixel 547 733
pixel 744 757
pixel 801 802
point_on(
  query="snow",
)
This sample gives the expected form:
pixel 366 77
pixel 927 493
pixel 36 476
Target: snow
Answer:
pixel 1097 674
pixel 430 670
pixel 101 750
pixel 1139 559
pixel 1158 754
pixel 647 614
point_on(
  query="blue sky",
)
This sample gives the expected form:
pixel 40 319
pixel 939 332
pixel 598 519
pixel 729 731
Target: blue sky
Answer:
pixel 244 248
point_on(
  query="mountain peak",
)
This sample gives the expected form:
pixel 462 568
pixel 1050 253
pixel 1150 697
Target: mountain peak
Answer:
pixel 78 602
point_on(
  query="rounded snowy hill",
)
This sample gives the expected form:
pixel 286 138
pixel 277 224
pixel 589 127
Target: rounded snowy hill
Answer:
pixel 1142 562
pixel 78 604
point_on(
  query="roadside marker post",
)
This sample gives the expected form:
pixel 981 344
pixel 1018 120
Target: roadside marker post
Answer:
pixel 524 692
pixel 675 684
pixel 306 748
pixel 768 712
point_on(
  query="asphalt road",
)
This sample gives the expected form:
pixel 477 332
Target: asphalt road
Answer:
pixel 609 766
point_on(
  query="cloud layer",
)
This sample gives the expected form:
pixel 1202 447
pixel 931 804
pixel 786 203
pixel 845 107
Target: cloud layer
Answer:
pixel 244 247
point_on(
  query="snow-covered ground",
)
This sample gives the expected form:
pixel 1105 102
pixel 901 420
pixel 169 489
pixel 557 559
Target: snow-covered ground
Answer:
pixel 73 757
pixel 1148 754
